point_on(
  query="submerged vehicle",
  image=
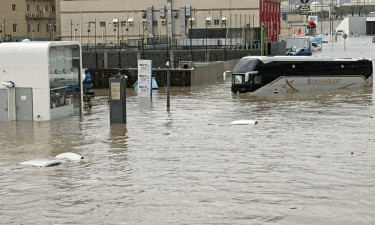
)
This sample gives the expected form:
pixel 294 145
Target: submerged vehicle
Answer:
pixel 299 51
pixel 289 74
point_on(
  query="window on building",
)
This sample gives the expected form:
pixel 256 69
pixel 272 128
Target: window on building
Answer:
pixel 92 24
pixel 14 7
pixel 102 23
pixel 216 22
pixel 38 28
pixel 28 8
pixel 53 8
pixel 47 27
pixel 28 27
pixel 15 28
pixel 38 8
pixel 46 8
pixel 155 23
pixel 123 23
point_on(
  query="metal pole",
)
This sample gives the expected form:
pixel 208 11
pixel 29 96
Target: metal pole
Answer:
pixel 95 35
pixel 226 34
pixel 96 54
pixel 88 35
pixel 261 39
pixel 191 43
pixel 168 76
pixel 71 30
pixel 80 28
pixel 206 39
pixel 330 22
pixel 321 18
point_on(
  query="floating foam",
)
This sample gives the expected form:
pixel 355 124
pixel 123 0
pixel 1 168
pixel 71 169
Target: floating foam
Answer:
pixel 42 162
pixel 69 155
pixel 244 122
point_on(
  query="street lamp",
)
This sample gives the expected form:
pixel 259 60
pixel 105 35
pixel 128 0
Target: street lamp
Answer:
pixel 226 34
pixel 88 37
pixel 191 36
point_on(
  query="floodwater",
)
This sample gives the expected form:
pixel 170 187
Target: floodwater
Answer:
pixel 309 160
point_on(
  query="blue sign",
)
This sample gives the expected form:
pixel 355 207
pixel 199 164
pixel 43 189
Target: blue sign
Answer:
pixel 318 40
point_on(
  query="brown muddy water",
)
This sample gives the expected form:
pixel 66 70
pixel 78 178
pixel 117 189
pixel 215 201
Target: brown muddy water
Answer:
pixel 309 160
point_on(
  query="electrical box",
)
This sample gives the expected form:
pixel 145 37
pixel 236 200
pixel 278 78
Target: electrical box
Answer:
pixel 117 99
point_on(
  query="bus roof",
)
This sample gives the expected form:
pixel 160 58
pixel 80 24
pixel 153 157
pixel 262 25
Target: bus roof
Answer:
pixel 268 59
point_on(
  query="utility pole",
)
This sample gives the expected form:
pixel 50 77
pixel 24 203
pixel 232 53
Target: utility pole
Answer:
pixel 167 64
pixel 191 41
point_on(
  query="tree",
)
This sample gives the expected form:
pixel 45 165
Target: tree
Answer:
pixel 352 10
pixel 339 11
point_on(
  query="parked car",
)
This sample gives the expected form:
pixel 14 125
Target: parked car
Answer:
pixel 299 51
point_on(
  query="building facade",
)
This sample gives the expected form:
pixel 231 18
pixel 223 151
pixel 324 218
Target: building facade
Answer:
pixel 32 19
pixel 116 21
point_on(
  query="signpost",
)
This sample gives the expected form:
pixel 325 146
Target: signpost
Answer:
pixel 304 9
pixel 144 78
pixel 345 37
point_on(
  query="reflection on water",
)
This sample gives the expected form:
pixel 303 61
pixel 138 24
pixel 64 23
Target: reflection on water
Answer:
pixel 310 158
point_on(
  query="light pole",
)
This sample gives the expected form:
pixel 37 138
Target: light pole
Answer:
pixel 167 64
pixel 88 37
pixel 71 30
pixel 321 17
pixel 191 43
pixel 226 35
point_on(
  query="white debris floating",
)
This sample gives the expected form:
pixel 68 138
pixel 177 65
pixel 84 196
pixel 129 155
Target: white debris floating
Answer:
pixel 69 156
pixel 244 122
pixel 42 162
pixel 53 162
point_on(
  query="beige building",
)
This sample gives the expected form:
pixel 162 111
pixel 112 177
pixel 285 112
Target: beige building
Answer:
pixel 33 19
pixel 114 21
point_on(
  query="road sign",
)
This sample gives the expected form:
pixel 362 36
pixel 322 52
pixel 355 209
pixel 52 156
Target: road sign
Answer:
pixel 304 8
pixel 304 13
pixel 345 36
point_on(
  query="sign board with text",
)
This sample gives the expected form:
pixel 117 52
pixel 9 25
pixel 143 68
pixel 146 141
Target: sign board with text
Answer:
pixel 304 13
pixel 144 78
pixel 314 18
pixel 304 8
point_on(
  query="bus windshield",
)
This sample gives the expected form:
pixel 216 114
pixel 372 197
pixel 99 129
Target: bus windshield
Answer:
pixel 246 65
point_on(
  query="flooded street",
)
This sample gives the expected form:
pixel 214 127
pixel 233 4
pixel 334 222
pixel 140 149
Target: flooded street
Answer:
pixel 309 160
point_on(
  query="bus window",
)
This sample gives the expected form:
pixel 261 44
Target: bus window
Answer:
pixel 238 79
pixel 257 79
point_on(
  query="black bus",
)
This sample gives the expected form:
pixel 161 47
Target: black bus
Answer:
pixel 283 74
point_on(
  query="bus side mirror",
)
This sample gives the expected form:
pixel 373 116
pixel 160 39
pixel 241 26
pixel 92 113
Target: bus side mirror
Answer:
pixel 225 74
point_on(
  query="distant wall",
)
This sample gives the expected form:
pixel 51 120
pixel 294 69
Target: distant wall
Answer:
pixel 353 25
pixel 204 73
pixel 211 73
pixel 129 59
pixel 179 77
